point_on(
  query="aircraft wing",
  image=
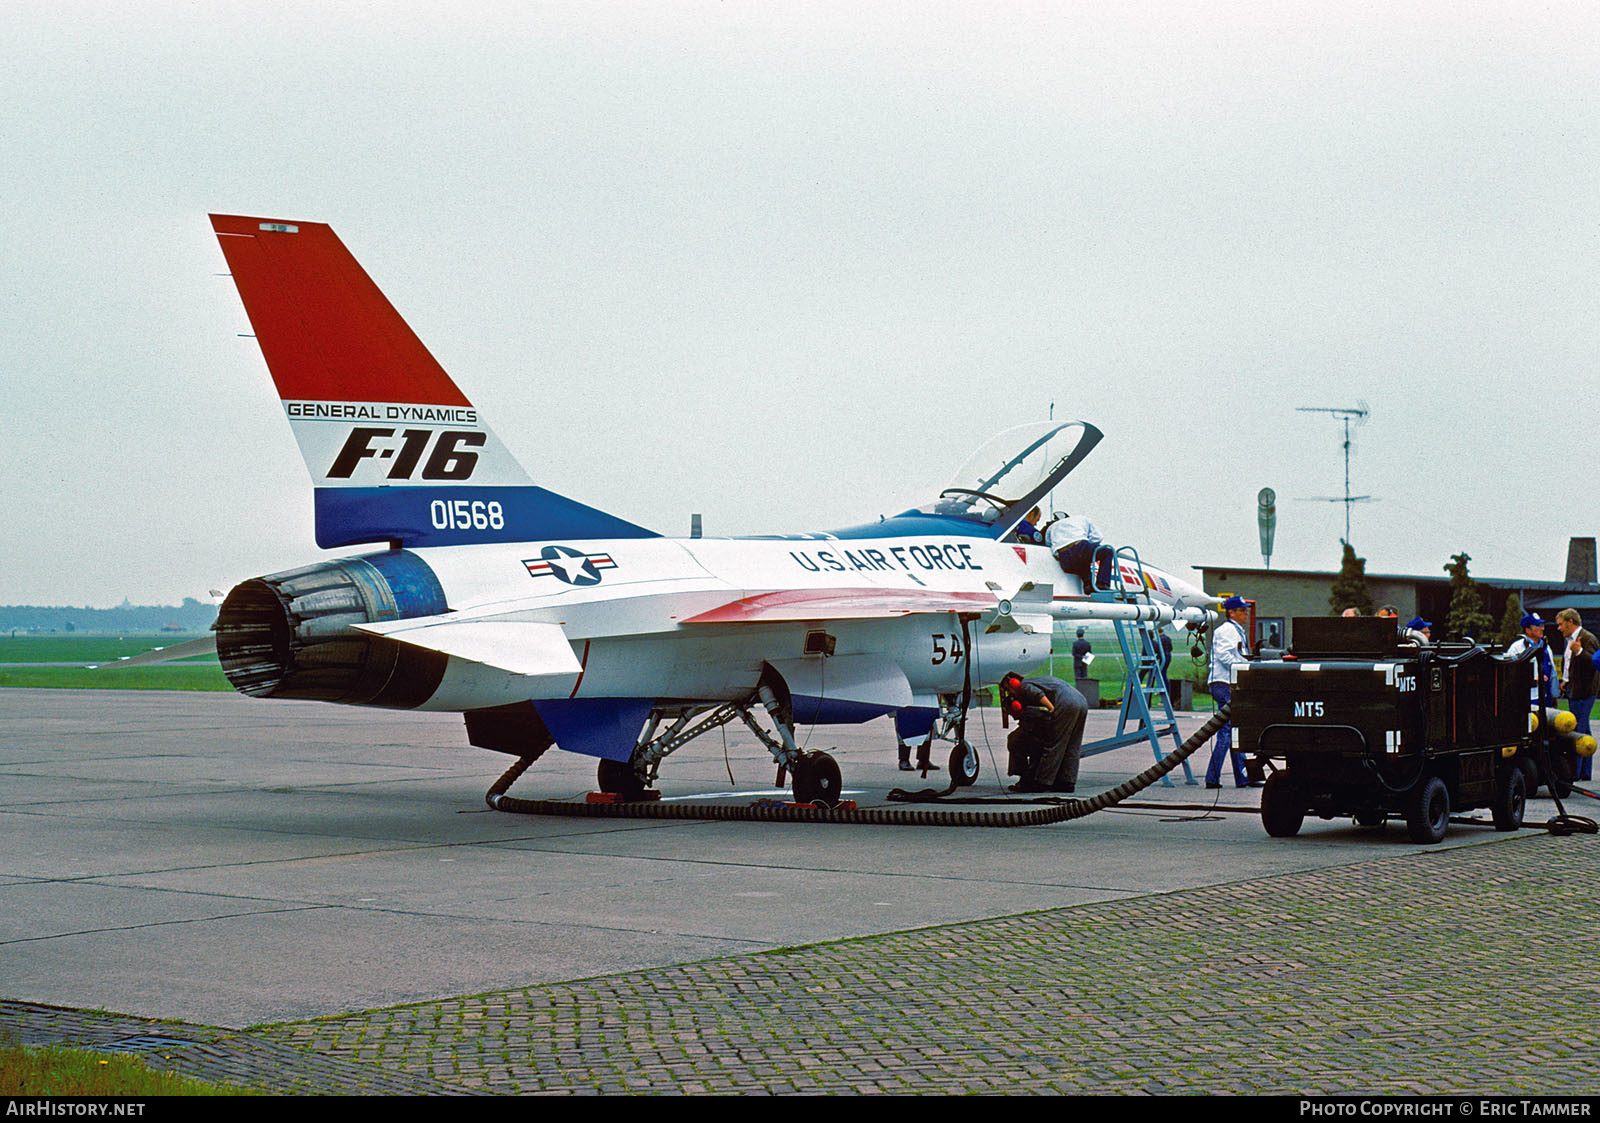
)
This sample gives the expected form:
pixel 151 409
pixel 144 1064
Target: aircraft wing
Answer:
pixel 842 604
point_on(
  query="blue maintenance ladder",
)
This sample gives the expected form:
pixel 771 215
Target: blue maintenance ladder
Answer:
pixel 1141 660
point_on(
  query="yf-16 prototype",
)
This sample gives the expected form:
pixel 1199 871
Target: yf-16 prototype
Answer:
pixel 547 622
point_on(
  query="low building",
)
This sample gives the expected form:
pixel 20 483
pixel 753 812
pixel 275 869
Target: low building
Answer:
pixel 1283 594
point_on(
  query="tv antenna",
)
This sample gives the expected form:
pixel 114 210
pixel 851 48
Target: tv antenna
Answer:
pixel 1358 415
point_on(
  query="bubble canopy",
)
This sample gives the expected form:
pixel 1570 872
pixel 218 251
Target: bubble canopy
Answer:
pixel 1000 482
pixel 1012 471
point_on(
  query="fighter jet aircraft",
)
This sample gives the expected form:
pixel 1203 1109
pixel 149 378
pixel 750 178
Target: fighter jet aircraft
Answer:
pixel 548 622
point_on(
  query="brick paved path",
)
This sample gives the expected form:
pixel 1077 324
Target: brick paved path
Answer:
pixel 1468 970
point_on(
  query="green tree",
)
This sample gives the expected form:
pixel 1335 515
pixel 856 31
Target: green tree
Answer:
pixel 1510 623
pixel 1467 616
pixel 1350 587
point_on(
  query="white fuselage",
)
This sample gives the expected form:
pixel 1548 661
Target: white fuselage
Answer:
pixel 625 607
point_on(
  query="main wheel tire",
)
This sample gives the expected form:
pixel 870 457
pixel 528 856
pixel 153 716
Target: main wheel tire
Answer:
pixel 1281 809
pixel 619 778
pixel 1510 799
pixel 817 779
pixel 964 765
pixel 1428 810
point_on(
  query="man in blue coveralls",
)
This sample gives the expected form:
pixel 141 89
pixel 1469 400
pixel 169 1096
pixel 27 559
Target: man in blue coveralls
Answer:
pixel 1229 650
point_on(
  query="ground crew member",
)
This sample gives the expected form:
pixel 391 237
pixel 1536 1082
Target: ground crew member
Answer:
pixel 1074 541
pixel 1080 648
pixel 1230 648
pixel 1533 636
pixel 1045 747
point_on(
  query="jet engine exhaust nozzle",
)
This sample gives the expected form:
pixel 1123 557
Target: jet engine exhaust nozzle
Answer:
pixel 292 634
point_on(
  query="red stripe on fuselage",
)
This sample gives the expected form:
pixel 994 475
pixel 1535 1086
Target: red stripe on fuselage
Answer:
pixel 583 669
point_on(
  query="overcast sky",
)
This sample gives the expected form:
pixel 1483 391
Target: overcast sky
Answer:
pixel 785 264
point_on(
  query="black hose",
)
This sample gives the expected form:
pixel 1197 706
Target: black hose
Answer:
pixel 765 811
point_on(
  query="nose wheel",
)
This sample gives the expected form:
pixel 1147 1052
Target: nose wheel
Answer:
pixel 817 779
pixel 963 765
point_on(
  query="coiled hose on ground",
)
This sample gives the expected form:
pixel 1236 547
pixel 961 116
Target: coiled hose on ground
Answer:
pixel 772 812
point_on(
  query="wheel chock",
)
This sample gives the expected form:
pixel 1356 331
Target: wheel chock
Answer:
pixel 646 796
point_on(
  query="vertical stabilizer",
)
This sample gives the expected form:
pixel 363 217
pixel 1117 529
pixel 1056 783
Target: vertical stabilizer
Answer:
pixel 396 452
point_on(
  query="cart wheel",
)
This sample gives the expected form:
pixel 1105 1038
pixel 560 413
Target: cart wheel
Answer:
pixel 1281 810
pixel 619 778
pixel 1510 799
pixel 1428 810
pixel 1370 818
pixel 1530 775
pixel 1563 767
pixel 964 765
pixel 817 779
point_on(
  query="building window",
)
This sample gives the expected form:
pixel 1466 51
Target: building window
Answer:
pixel 1269 633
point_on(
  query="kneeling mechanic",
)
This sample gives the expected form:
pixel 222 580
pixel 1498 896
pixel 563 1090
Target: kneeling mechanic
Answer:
pixel 1045 748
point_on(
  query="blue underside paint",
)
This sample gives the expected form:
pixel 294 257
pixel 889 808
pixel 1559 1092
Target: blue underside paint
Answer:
pixel 445 516
pixel 916 523
pixel 604 727
pixel 914 722
pixel 810 710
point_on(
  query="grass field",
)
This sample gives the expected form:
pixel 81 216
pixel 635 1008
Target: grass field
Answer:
pixel 1109 671
pixel 75 1072
pixel 27 661
pixel 63 662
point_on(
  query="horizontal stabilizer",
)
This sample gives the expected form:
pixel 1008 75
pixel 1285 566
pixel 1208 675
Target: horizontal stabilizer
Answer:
pixel 842 604
pixel 205 645
pixel 521 648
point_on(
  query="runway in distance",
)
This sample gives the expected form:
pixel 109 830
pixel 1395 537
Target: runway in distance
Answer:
pixel 548 622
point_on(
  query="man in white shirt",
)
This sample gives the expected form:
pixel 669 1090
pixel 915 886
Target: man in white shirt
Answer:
pixel 1230 648
pixel 1578 675
pixel 1073 540
pixel 1533 636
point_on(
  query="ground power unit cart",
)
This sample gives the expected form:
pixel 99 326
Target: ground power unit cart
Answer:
pixel 1355 722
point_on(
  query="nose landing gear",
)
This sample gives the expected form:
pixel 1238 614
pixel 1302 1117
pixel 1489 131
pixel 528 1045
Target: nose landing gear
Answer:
pixel 964 765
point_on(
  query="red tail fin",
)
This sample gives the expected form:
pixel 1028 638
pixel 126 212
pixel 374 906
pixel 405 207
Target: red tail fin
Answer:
pixel 327 332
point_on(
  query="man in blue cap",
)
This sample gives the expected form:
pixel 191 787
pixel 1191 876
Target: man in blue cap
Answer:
pixel 1230 648
pixel 1533 636
pixel 1419 631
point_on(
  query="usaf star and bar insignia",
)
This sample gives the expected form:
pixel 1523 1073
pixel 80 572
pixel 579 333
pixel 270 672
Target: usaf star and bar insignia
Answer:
pixel 573 567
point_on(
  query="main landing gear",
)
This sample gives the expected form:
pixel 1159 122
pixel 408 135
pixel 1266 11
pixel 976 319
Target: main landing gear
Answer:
pixel 815 774
pixel 816 777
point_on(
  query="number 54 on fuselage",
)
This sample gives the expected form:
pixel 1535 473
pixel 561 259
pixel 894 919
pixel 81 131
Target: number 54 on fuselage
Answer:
pixel 545 621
